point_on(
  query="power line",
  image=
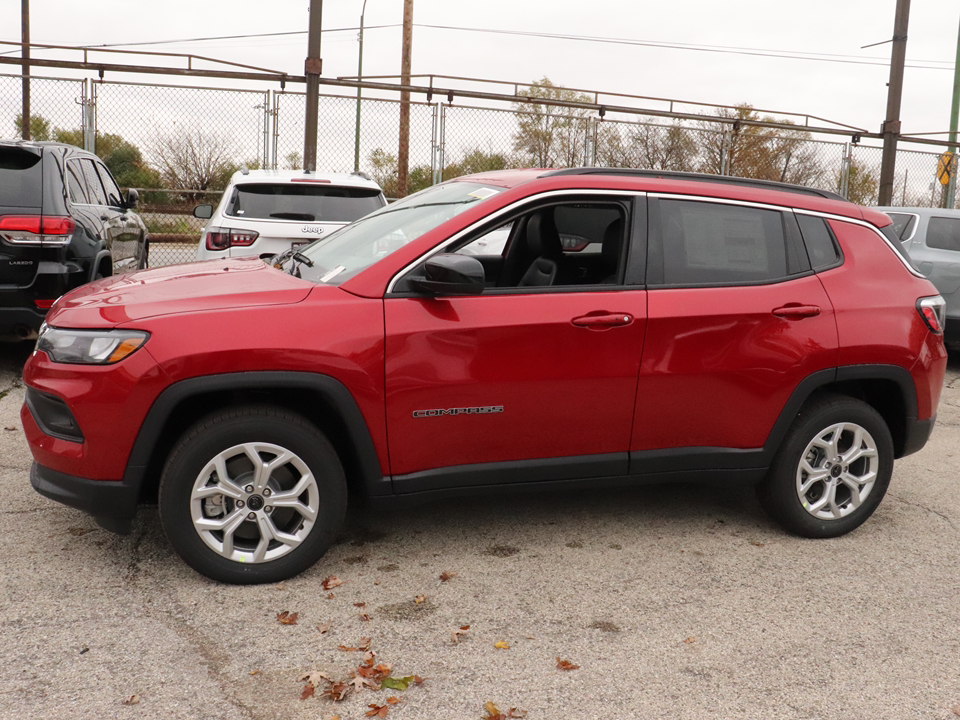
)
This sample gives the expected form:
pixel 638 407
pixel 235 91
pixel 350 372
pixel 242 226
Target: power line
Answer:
pixel 720 49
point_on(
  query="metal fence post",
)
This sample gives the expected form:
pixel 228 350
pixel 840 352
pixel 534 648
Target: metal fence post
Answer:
pixel 590 143
pixel 439 139
pixel 266 129
pixel 725 141
pixel 845 164
pixel 276 128
pixel 89 103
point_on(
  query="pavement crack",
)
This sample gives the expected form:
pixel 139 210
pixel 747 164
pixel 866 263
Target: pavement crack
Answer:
pixel 939 514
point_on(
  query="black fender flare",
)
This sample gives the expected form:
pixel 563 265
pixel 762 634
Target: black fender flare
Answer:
pixel 96 263
pixel 333 392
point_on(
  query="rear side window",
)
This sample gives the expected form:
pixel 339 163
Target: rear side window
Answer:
pixel 708 243
pixel 903 225
pixel 94 188
pixel 821 246
pixel 20 175
pixel 302 202
pixel 944 233
pixel 76 186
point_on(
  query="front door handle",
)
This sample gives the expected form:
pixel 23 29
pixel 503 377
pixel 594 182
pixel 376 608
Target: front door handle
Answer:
pixel 604 321
pixel 793 312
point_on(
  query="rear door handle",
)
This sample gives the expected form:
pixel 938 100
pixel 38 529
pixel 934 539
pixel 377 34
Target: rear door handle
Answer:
pixel 797 311
pixel 601 322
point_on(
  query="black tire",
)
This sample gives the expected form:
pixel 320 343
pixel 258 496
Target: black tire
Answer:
pixel 231 556
pixel 810 513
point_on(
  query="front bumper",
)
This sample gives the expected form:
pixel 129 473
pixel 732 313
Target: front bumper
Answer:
pixel 112 504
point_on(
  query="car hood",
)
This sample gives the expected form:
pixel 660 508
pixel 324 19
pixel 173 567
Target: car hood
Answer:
pixel 211 285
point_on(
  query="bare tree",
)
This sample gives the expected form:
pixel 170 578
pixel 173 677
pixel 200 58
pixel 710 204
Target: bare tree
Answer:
pixel 550 135
pixel 194 161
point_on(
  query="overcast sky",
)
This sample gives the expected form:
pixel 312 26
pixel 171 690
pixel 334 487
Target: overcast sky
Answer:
pixel 851 92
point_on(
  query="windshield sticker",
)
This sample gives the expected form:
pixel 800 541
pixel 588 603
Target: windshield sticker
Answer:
pixel 333 273
pixel 483 193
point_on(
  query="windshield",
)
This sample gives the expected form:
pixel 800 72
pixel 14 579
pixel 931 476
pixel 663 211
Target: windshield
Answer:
pixel 358 246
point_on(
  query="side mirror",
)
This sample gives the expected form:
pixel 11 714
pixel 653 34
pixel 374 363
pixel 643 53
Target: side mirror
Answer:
pixel 133 197
pixel 450 275
pixel 204 212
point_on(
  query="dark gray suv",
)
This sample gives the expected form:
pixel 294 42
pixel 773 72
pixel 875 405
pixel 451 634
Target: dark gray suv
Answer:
pixel 63 222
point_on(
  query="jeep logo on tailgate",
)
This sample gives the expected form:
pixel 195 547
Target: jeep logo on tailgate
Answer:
pixel 311 229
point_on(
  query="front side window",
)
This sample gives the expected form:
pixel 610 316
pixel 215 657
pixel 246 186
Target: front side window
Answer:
pixel 944 233
pixel 356 247
pixel 306 202
pixel 114 197
pixel 707 243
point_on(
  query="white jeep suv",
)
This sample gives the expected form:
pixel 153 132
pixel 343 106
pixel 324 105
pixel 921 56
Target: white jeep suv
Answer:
pixel 267 212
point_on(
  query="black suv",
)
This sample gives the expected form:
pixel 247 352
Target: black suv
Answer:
pixel 63 223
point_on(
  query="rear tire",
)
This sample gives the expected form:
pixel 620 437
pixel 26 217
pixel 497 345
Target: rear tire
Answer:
pixel 252 495
pixel 832 470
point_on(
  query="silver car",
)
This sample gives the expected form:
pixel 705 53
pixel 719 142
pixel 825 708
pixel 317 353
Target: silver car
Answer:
pixel 931 237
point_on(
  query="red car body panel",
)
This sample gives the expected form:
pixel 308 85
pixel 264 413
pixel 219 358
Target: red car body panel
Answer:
pixel 564 389
pixel 719 365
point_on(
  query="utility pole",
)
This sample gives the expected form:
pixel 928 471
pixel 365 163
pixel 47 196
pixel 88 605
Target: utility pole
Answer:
pixel 356 142
pixel 25 54
pixel 954 113
pixel 891 127
pixel 312 68
pixel 403 151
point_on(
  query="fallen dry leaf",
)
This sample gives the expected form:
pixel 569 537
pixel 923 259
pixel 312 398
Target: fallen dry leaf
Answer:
pixel 566 665
pixel 393 700
pixel 331 596
pixel 369 657
pixel 287 618
pixel 359 683
pixel 419 599
pixel 314 677
pixel 690 639
pixel 337 691
pixel 10 429
pixel 758 544
pixel 308 691
pixel 363 604
pixel 445 576
pixel 378 710
pixel 132 700
pixel 455 635
pixel 331 582
pixel 364 617
pixel 516 713
pixel 502 645
pixel 255 672
pixel 362 647
pixel 401 683
pixel 493 713
pixel 323 629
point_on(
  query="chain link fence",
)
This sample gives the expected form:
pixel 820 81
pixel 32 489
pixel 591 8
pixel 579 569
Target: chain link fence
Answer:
pixel 179 145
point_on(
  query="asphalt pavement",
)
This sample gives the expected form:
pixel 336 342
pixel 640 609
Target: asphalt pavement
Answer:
pixel 674 602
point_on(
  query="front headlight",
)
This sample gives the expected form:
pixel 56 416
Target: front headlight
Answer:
pixel 89 347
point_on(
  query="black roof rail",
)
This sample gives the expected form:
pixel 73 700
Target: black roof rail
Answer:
pixel 700 177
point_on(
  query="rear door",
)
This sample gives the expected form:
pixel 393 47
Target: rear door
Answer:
pixel 737 319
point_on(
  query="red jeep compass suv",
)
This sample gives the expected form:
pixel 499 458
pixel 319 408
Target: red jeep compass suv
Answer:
pixel 517 329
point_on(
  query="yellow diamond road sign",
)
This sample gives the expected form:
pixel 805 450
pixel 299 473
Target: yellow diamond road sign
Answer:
pixel 945 168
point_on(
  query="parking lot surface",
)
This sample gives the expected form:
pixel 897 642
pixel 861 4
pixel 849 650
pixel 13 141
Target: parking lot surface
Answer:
pixel 675 602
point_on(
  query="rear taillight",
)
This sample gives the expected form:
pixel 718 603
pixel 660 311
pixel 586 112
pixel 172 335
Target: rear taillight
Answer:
pixel 933 310
pixel 223 238
pixel 37 229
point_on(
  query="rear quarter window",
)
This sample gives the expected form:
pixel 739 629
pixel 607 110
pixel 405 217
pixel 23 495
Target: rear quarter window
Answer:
pixel 944 233
pixel 20 178
pixel 821 246
pixel 302 202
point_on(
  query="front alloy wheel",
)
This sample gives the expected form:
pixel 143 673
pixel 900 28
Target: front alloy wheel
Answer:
pixel 252 495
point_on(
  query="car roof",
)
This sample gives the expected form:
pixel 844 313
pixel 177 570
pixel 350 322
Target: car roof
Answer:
pixel 699 184
pixel 242 177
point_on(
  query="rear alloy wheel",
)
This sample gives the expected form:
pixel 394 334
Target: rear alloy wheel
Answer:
pixel 832 470
pixel 252 495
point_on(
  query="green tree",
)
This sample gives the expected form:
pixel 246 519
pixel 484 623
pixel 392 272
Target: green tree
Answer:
pixel 384 171
pixel 862 185
pixel 475 161
pixel 40 129
pixel 550 135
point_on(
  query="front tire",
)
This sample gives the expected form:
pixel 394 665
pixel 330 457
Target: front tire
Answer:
pixel 831 471
pixel 252 495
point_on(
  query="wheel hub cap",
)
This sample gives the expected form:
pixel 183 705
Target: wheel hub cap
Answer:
pixel 255 502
